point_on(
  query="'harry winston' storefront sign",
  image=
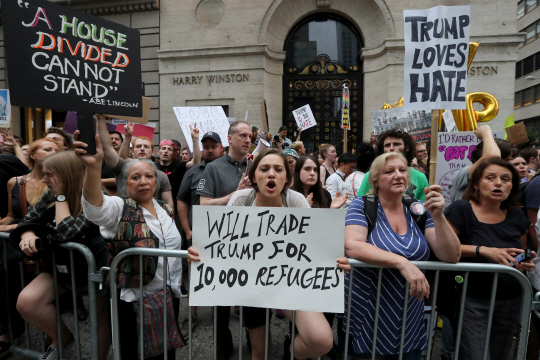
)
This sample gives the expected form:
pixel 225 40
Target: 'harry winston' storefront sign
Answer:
pixel 210 79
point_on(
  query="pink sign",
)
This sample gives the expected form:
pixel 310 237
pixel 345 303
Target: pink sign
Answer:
pixel 139 130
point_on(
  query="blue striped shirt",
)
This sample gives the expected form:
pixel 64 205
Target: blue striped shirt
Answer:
pixel 412 246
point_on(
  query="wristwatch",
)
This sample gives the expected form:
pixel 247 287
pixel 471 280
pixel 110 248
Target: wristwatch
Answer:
pixel 61 198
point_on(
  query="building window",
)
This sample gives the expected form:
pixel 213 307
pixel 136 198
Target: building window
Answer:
pixel 528 65
pixel 528 96
pixel 537 93
pixel 521 8
pixel 519 72
pixel 529 5
pixel 517 100
pixel 530 33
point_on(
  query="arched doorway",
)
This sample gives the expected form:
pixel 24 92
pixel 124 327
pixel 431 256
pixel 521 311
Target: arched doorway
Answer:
pixel 323 53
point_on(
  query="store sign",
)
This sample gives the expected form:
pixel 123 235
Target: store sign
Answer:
pixel 210 79
pixel 64 59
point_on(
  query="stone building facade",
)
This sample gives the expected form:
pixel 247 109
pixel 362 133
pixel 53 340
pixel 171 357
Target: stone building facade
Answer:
pixel 235 53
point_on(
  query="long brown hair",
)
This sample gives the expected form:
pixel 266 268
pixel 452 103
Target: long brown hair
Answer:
pixel 36 166
pixel 70 171
pixel 319 197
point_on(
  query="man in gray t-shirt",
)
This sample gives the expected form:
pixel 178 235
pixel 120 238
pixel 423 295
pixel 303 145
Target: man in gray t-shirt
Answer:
pixel 115 162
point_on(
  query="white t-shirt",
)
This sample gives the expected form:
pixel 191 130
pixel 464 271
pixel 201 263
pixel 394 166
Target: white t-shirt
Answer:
pixel 108 217
pixel 352 185
pixel 294 199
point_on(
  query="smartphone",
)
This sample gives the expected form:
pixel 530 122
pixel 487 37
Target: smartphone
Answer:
pixel 523 257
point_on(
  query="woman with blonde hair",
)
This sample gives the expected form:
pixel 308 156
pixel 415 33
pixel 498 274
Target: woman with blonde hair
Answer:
pixel 392 238
pixel 26 190
pixel 63 176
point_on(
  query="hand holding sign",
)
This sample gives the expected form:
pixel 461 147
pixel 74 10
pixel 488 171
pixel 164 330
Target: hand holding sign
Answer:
pixel 304 117
pixel 91 161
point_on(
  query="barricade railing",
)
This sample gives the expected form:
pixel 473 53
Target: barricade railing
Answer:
pixel 524 316
pixel 93 277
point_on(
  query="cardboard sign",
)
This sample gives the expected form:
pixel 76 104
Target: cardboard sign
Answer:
pixel 60 58
pixel 517 133
pixel 304 117
pixel 453 154
pixel 207 118
pixel 416 123
pixel 436 55
pixel 140 130
pixel 5 109
pixel 282 258
pixel 146 102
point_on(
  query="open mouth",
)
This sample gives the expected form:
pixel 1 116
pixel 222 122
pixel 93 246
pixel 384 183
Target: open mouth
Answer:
pixel 497 192
pixel 271 186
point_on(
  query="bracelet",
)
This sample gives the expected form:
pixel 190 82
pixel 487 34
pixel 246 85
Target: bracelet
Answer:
pixel 478 251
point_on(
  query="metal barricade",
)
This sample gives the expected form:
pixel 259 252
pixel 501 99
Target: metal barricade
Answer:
pixel 93 277
pixel 524 317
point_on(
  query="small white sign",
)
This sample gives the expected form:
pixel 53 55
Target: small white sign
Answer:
pixel 281 258
pixel 5 109
pixel 449 121
pixel 207 118
pixel 304 117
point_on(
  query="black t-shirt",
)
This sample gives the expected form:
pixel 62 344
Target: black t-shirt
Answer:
pixel 10 166
pixel 106 172
pixel 175 172
pixel 502 235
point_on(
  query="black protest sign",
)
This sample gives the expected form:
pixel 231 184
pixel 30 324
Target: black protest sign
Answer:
pixel 281 258
pixel 436 56
pixel 60 58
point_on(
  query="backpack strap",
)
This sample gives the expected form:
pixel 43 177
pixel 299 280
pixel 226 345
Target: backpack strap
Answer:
pixel 420 220
pixel 370 211
pixel 22 196
pixel 251 198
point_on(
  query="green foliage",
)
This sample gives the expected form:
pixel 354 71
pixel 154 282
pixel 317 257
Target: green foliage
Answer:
pixel 534 139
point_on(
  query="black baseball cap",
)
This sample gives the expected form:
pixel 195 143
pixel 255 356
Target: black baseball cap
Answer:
pixel 212 135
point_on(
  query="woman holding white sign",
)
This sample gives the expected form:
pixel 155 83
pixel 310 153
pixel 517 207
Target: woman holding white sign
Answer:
pixel 390 230
pixel 271 177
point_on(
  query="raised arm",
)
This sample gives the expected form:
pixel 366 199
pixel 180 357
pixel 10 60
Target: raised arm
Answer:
pixel 9 140
pixel 196 149
pixel 110 155
pixel 92 177
pixel 128 134
pixel 490 150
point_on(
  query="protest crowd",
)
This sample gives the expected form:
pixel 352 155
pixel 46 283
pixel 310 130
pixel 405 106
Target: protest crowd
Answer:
pixel 100 200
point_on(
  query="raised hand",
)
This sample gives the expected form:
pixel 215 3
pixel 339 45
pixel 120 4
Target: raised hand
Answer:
pixel 128 129
pixel 89 160
pixel 338 202
pixel 309 199
pixel 194 132
pixel 434 200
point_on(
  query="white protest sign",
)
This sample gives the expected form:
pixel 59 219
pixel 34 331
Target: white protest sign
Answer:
pixel 207 118
pixel 449 121
pixel 282 258
pixel 304 117
pixel 436 54
pixel 453 154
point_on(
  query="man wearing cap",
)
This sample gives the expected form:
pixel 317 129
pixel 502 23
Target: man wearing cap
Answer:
pixel 143 148
pixel 187 197
pixel 220 179
pixel 175 170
